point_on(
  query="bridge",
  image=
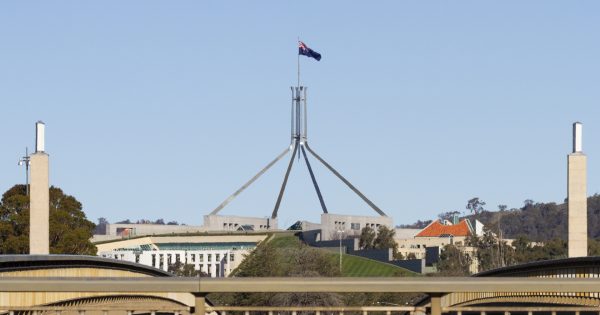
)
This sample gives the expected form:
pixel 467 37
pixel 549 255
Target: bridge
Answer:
pixel 125 295
pixel 84 285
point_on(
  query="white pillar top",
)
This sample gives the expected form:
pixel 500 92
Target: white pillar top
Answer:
pixel 40 129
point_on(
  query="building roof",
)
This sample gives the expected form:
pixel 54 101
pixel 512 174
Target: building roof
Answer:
pixel 33 262
pixel 437 229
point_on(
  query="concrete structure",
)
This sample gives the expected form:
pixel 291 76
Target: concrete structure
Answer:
pixel 437 235
pixel 579 268
pixel 39 197
pixel 127 230
pixel 86 268
pixel 562 292
pixel 212 223
pixel 349 224
pixel 236 223
pixel 577 196
pixel 298 147
pixel 215 255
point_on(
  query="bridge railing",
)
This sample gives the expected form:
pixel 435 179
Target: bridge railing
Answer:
pixel 436 288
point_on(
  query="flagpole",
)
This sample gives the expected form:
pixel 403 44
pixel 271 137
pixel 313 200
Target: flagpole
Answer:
pixel 298 63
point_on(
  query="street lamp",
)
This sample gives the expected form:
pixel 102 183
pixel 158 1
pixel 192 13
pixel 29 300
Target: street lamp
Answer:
pixel 25 161
pixel 340 232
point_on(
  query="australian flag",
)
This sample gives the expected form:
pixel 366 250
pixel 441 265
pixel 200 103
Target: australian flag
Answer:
pixel 304 50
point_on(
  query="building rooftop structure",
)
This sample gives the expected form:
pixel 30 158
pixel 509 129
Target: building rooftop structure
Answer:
pixel 438 229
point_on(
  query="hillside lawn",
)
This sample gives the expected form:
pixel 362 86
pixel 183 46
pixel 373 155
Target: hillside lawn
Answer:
pixel 352 266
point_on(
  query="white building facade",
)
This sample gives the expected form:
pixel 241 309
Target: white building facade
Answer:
pixel 216 255
pixel 214 262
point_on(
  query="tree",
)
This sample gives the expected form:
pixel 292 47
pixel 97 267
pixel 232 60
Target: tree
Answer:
pixel 492 252
pixel 475 205
pixel 70 230
pixel 528 203
pixel 185 270
pixel 385 239
pixel 522 247
pixel 453 262
pixel 502 207
pixel 367 237
pixel 295 260
pixel 593 247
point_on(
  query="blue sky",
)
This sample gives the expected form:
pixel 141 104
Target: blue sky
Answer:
pixel 162 109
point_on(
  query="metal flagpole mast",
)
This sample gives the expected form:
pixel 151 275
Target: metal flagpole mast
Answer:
pixel 298 63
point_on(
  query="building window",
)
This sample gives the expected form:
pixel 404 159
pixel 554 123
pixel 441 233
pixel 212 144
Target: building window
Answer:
pixel 355 226
pixel 153 260
pixel 231 257
pixel 201 257
pixel 137 258
pixel 193 257
pixel 176 258
pixel 208 257
pixel 217 257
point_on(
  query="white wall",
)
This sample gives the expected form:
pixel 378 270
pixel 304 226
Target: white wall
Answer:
pixel 216 263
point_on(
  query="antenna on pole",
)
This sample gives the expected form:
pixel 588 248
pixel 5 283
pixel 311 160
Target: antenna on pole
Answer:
pixel 26 161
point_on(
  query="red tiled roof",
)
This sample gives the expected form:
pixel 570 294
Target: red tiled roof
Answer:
pixel 436 229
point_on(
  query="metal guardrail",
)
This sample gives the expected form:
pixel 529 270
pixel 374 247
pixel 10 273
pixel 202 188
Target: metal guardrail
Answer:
pixel 200 287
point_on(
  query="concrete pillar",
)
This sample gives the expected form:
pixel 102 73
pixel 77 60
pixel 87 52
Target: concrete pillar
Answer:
pixel 436 303
pixel 39 205
pixel 577 197
pixel 200 304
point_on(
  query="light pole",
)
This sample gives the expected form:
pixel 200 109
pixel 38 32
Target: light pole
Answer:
pixel 340 233
pixel 25 161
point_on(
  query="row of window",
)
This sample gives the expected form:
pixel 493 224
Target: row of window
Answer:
pixel 354 226
pixel 193 258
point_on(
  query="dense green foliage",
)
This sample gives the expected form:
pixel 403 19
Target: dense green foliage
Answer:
pixel 539 230
pixel 286 256
pixel 367 237
pixel 382 239
pixel 453 262
pixel 185 270
pixel 352 266
pixel 539 221
pixel 70 231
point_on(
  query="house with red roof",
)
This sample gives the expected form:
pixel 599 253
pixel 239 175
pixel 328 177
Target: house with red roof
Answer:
pixel 447 229
pixel 438 234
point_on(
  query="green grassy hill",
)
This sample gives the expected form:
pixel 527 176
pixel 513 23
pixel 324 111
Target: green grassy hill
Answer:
pixel 352 266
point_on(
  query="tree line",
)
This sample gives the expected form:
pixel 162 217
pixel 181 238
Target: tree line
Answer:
pixel 70 230
pixel 293 258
